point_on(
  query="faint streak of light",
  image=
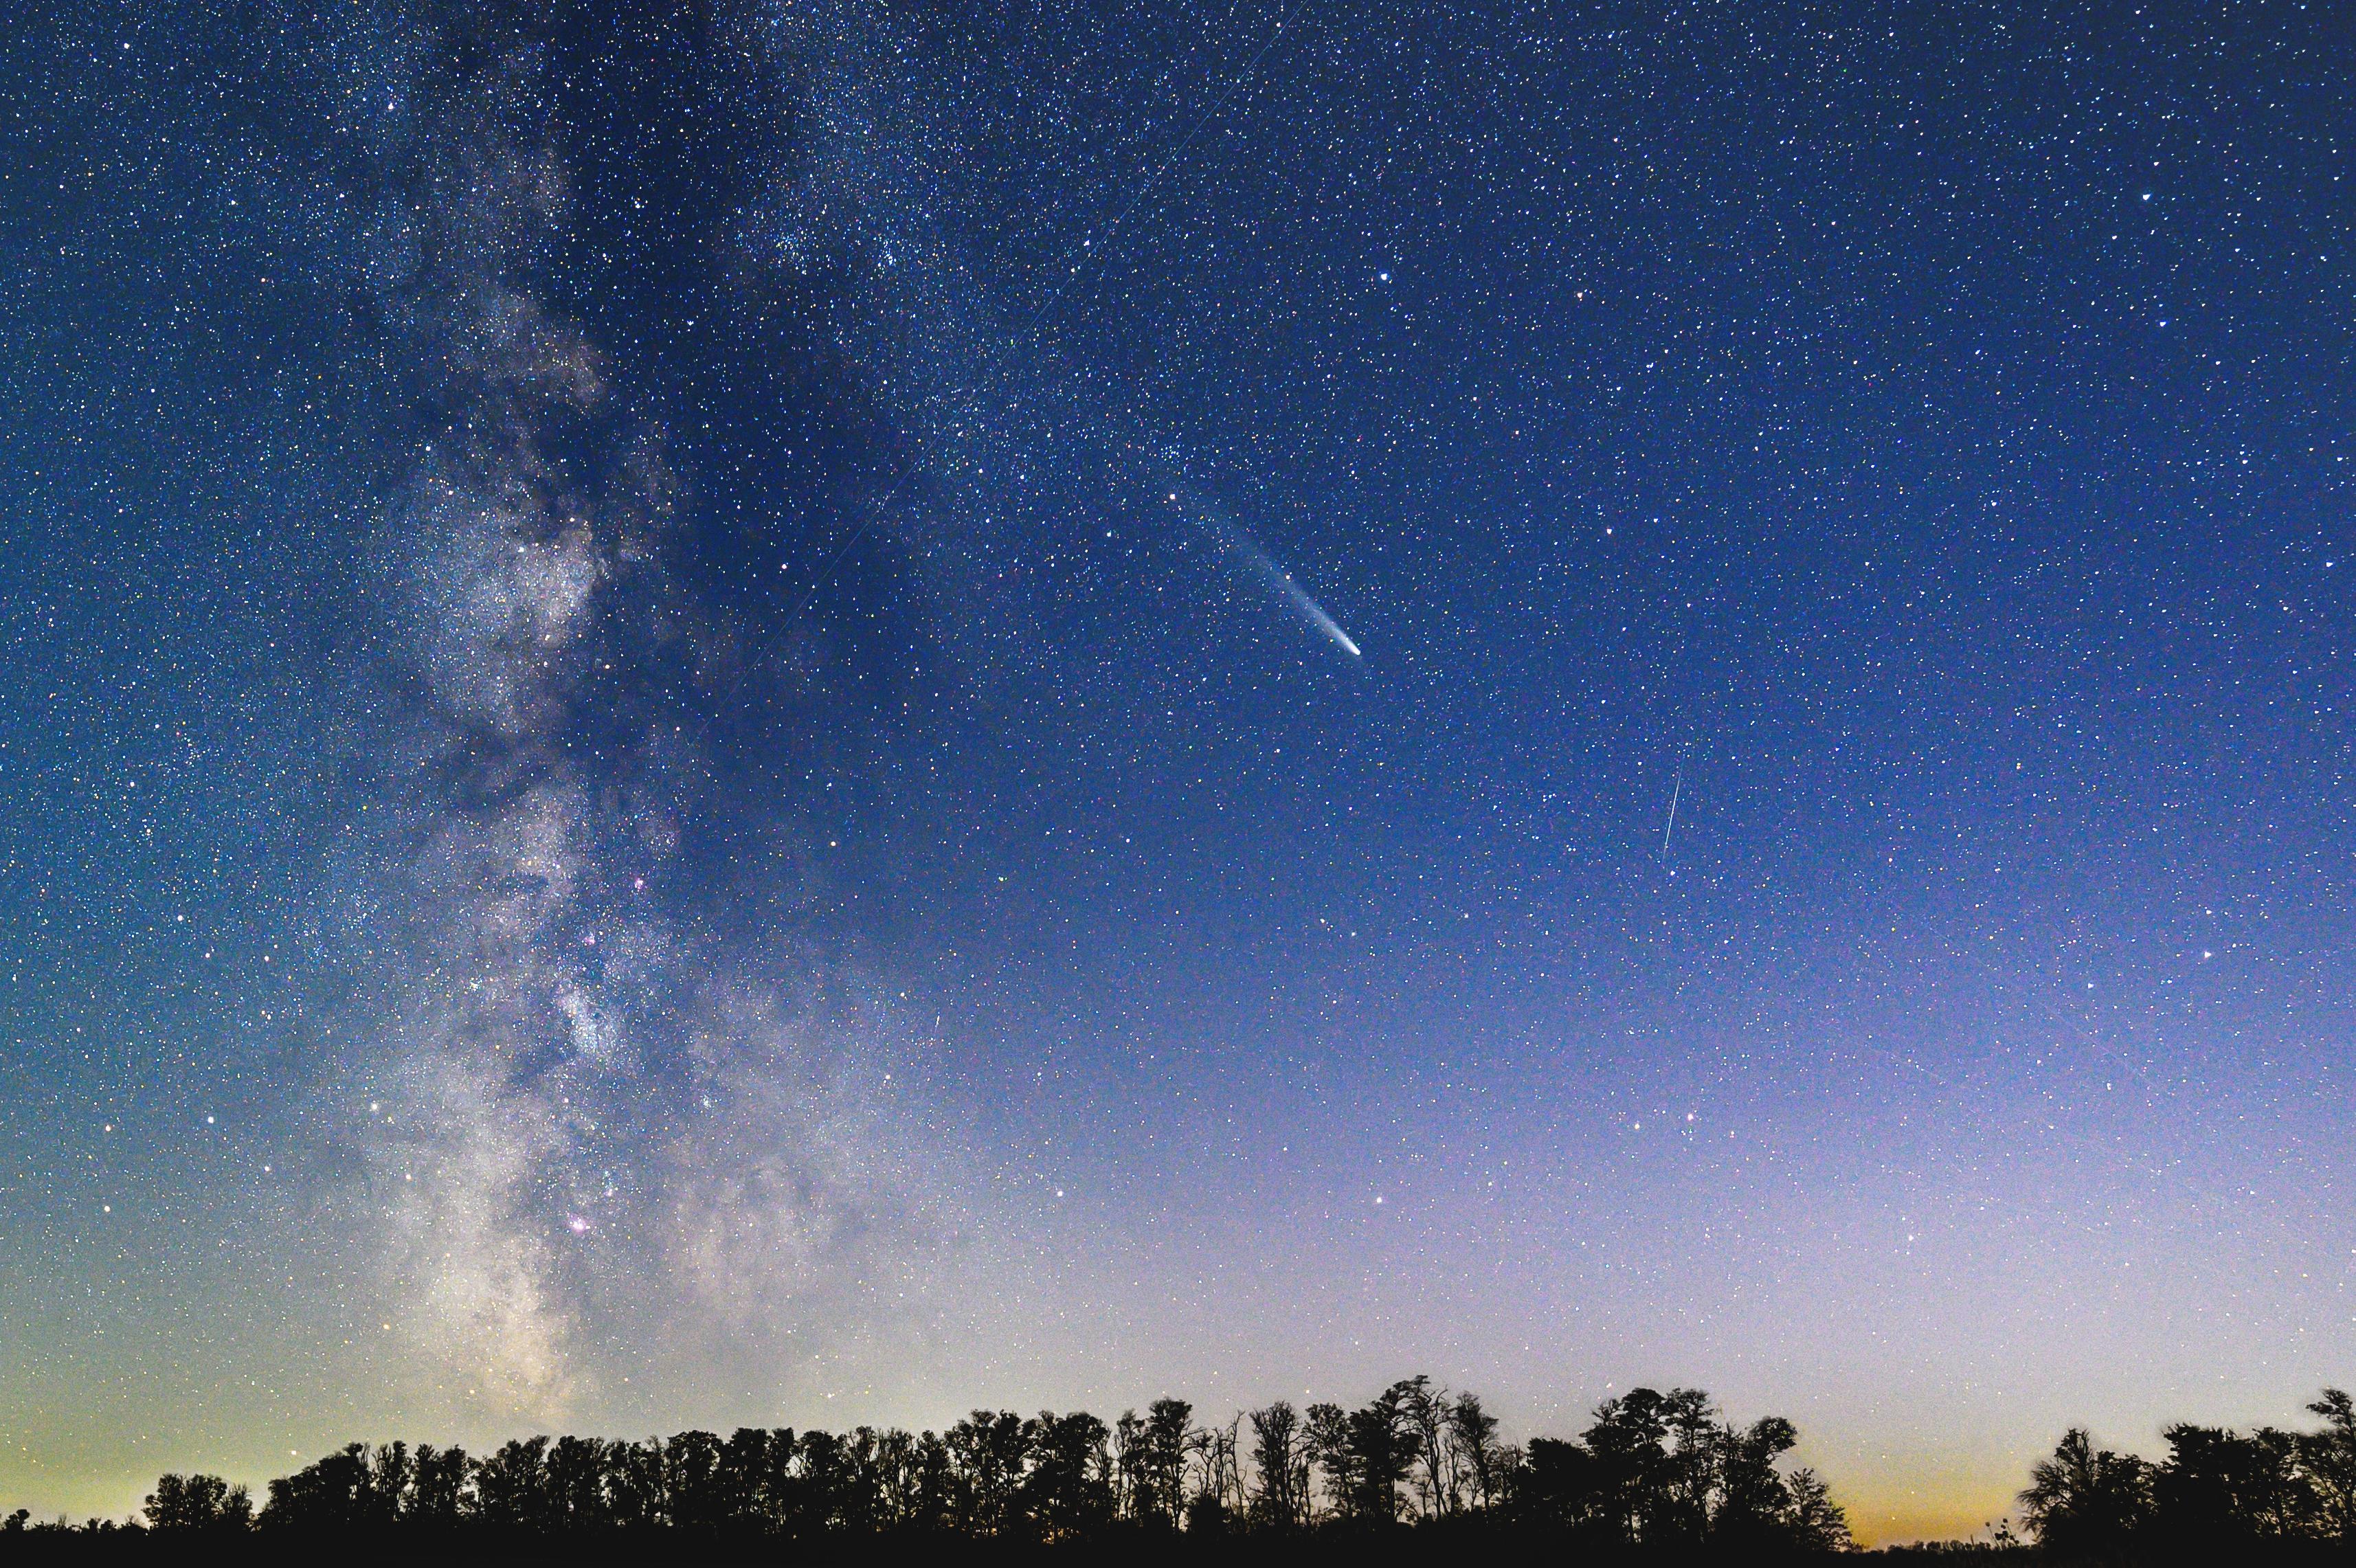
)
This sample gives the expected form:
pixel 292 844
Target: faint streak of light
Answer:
pixel 1677 790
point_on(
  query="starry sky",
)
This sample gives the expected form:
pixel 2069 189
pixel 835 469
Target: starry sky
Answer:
pixel 814 711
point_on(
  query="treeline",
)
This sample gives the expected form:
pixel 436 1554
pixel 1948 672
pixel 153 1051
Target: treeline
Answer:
pixel 1655 1471
pixel 2219 1495
pixel 1654 1474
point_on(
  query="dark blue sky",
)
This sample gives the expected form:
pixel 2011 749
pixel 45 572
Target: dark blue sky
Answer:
pixel 818 711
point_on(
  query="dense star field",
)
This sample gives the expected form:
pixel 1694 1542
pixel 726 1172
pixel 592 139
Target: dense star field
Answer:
pixel 815 712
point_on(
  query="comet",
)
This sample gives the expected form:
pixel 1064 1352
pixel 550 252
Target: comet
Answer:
pixel 1280 580
pixel 1264 566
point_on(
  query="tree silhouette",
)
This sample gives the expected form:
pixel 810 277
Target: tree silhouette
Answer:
pixel 1424 1410
pixel 1068 1494
pixel 1382 1452
pixel 330 1495
pixel 2086 1499
pixel 1632 1472
pixel 1281 1458
pixel 1815 1523
pixel 1480 1463
pixel 1216 1502
pixel 987 1452
pixel 1326 1438
pixel 2222 1489
pixel 2327 1458
pixel 192 1505
pixel 1659 1473
pixel 636 1496
pixel 1560 1490
pixel 510 1491
pixel 1753 1498
pixel 1157 1462
pixel 438 1482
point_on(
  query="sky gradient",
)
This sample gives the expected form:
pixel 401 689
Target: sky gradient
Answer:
pixel 805 712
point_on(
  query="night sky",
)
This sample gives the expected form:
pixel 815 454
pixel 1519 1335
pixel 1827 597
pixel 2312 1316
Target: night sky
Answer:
pixel 808 710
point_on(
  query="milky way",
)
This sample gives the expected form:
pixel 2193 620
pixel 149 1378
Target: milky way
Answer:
pixel 578 1107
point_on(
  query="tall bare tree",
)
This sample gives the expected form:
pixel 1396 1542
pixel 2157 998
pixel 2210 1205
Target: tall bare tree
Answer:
pixel 1280 1455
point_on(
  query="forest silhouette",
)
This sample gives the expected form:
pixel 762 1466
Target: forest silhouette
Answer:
pixel 1655 1477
